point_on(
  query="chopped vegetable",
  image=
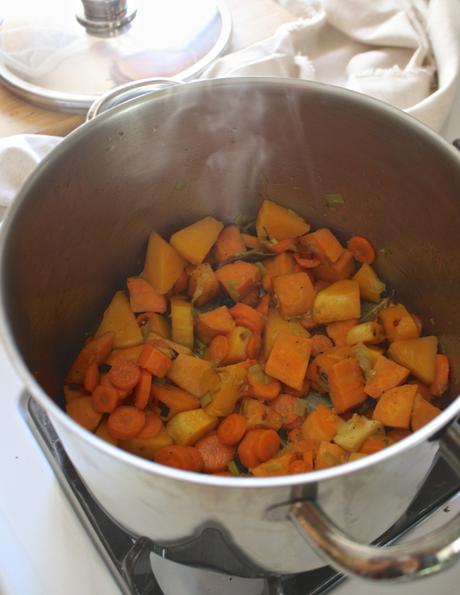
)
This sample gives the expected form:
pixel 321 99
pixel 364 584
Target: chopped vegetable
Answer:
pixel 163 265
pixel 196 240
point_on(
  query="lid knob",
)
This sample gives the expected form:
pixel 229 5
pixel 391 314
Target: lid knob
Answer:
pixel 105 18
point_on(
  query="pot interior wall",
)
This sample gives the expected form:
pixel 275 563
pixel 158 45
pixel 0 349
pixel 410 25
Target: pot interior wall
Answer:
pixel 219 148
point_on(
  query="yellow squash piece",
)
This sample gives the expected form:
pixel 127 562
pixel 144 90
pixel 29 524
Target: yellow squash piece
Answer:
pixel 187 427
pixel 193 374
pixel 238 340
pixel 279 223
pixel 339 301
pixel 277 325
pixel 203 285
pixel 227 394
pixel 418 355
pixel 369 333
pixel 158 324
pixel 370 286
pixel 355 431
pixel 120 319
pixel 398 323
pixel 195 241
pixel 182 322
pixel 147 447
pixel 163 265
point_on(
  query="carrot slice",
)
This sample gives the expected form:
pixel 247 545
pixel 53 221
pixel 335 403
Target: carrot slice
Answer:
pixel 82 411
pixel 218 348
pixel 375 443
pixel 248 317
pixel 232 429
pixel 267 445
pixel 299 466
pixel 441 377
pixel 320 344
pixel 247 449
pixel 124 375
pixel 154 361
pixel 142 391
pixel 92 377
pixel 262 386
pixel 282 246
pixel 264 305
pixel 251 242
pixel 287 406
pixel 153 425
pixel 105 398
pixel 181 457
pixel 126 422
pixel 216 456
pixel 361 249
pixel 253 346
pixel 338 330
pixel 307 261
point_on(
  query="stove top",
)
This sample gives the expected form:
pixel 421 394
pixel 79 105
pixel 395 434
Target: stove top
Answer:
pixel 130 559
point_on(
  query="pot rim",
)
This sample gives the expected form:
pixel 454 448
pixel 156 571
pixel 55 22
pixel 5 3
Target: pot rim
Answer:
pixel 146 465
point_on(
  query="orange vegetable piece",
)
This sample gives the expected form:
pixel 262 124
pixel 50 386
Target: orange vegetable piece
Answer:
pixel 91 379
pixel 307 261
pixel 267 444
pixel 244 315
pixel 329 455
pixel 216 456
pixel 218 348
pixel 375 443
pixel 203 285
pixel 238 278
pixel 262 386
pixel 187 458
pixel 441 377
pixel 174 398
pixel 398 323
pixel 294 293
pixel 277 222
pixel 153 425
pixel 247 450
pixel 346 384
pixel 153 360
pixel 422 412
pixel 397 434
pixel 96 350
pixel 214 322
pixel 105 398
pixel 386 374
pixel 361 249
pixel 181 285
pixel 251 242
pixel 228 244
pixel 299 466
pixel 195 241
pixel 124 375
pixel 142 390
pixel 338 330
pixel 253 346
pixel 127 354
pixel 126 422
pixel 282 264
pixel 163 264
pixel 232 429
pixel 288 360
pixel 287 406
pixel 83 412
pixel 321 424
pixel 193 374
pixel 264 305
pixel 370 286
pixel 394 407
pixel 143 298
pixel 343 268
pixel 320 344
pixel 255 412
pixel 71 393
pixel 419 355
pixel 323 244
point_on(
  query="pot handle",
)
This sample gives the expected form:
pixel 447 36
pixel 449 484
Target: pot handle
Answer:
pixel 403 562
pixel 127 92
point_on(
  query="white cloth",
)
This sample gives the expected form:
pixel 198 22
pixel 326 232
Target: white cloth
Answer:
pixel 395 50
pixel 405 52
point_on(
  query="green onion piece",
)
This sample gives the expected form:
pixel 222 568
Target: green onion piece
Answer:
pixel 233 468
pixel 369 310
pixel 314 398
pixel 301 406
pixel 261 267
pixel 334 198
pixel 206 400
pixel 245 221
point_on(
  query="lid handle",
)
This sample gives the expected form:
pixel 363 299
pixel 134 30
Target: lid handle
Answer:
pixel 105 18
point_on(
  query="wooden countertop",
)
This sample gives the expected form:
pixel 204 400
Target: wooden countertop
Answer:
pixel 253 20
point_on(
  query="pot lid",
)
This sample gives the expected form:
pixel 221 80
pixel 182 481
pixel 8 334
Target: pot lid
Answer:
pixel 64 55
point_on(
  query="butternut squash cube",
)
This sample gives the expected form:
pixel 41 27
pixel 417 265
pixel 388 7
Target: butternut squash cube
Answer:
pixel 163 265
pixel 188 427
pixel 224 400
pixel 419 355
pixel 214 322
pixel 229 243
pixel 238 340
pixel 276 325
pixel 175 399
pixel 321 424
pixel 182 322
pixel 158 324
pixel 288 360
pixel 146 447
pixel 294 293
pixel 394 407
pixel 386 374
pixel 119 319
pixel 367 332
pixel 323 244
pixel 238 278
pixel 194 241
pixel 331 272
pixel 422 412
pixel 339 301
pixel 193 374
pixel 329 455
pixel 370 286
pixel 279 223
pixel 346 384
pixel 143 297
pixel 398 323
pixel 352 433
pixel 203 285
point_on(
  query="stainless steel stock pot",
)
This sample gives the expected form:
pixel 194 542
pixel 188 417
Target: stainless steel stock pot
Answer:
pixel 162 160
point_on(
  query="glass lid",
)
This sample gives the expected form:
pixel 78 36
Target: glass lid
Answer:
pixel 64 54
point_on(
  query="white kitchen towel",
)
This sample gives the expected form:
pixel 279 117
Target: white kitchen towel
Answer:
pixel 405 52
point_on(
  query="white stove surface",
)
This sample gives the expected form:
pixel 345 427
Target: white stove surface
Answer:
pixel 45 551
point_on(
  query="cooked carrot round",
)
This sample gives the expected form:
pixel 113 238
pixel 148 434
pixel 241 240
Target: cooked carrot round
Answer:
pixel 187 458
pixel 232 429
pixel 124 375
pixel 218 348
pixel 253 347
pixel 216 456
pixel 361 249
pixel 92 376
pixel 142 390
pixel 105 398
pixel 126 422
pixel 82 411
pixel 267 445
pixel 152 427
